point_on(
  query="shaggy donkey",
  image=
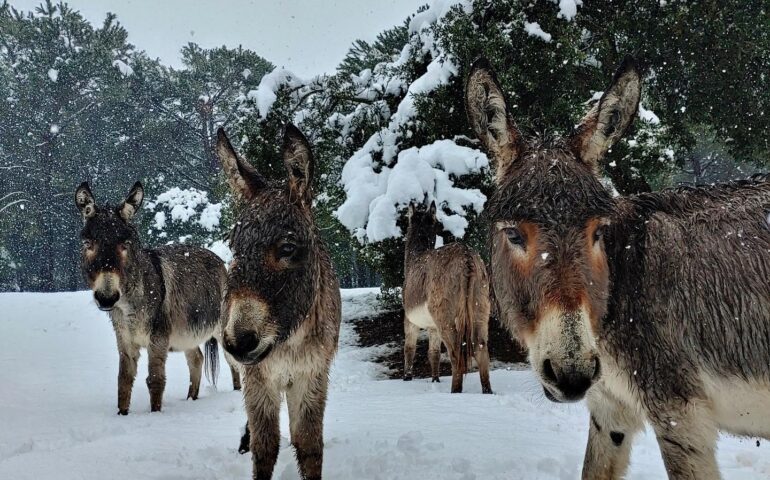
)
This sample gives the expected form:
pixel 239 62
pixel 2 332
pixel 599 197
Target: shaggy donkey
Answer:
pixel 446 292
pixel 163 299
pixel 659 302
pixel 281 305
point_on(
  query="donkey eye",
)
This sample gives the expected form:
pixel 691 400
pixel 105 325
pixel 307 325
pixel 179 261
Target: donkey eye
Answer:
pixel 599 233
pixel 88 244
pixel 286 250
pixel 515 237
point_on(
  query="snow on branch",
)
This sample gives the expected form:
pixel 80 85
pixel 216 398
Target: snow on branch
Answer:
pixel 378 180
pixel 533 30
pixel 186 205
pixel 568 8
pixel 374 198
pixel 123 68
pixel 267 92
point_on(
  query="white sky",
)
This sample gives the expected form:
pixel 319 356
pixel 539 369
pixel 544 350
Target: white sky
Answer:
pixel 308 37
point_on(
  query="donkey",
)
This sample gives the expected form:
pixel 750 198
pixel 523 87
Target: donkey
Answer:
pixel 655 306
pixel 163 299
pixel 281 305
pixel 446 292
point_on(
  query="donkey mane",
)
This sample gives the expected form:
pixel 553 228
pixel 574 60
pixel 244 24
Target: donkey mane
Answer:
pixel 581 196
pixel 685 200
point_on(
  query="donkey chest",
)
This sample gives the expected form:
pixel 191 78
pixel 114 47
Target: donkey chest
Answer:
pixel 420 316
pixel 300 358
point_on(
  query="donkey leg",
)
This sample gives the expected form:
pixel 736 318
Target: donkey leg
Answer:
pixel 434 353
pixel 307 401
pixel 610 436
pixel 687 437
pixel 263 404
pixel 411 332
pixel 457 374
pixel 129 355
pixel 156 380
pixel 481 354
pixel 235 371
pixel 194 363
pixel 450 340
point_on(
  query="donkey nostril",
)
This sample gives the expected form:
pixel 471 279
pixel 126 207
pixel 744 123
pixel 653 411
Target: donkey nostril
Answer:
pixel 247 342
pixel 597 368
pixel 548 372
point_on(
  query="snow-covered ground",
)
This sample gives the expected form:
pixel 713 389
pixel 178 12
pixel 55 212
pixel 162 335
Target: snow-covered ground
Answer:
pixel 58 369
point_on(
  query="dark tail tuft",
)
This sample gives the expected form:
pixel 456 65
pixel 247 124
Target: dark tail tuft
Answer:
pixel 211 361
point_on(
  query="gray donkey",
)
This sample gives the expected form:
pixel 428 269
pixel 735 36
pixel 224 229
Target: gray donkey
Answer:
pixel 446 292
pixel 281 305
pixel 163 299
pixel 657 306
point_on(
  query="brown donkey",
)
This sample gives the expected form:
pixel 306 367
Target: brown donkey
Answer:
pixel 446 292
pixel 281 305
pixel 655 305
pixel 162 299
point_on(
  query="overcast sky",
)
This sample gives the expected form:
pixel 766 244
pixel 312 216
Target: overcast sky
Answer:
pixel 307 36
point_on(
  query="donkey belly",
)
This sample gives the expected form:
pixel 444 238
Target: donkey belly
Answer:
pixel 740 407
pixel 421 317
pixel 187 340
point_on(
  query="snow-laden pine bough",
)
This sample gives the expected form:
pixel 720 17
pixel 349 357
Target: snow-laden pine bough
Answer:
pixel 656 306
pixel 282 306
pixel 162 299
pixel 446 292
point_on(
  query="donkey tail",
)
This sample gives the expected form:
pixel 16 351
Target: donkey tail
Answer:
pixel 466 318
pixel 211 361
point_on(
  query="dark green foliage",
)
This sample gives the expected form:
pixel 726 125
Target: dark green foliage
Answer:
pixel 70 114
pixel 705 69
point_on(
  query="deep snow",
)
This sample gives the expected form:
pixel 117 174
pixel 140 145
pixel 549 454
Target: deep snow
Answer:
pixel 58 368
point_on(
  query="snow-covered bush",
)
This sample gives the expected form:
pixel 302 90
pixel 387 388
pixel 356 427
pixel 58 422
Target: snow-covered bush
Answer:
pixel 392 103
pixel 186 216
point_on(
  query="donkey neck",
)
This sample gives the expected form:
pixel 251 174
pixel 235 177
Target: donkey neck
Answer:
pixel 419 239
pixel 143 275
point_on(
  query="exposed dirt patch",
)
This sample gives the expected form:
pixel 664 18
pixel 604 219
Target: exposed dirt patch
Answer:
pixel 388 329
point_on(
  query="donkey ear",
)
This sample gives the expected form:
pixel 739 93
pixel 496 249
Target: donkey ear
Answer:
pixel 410 210
pixel 299 162
pixel 488 116
pixel 85 202
pixel 133 201
pixel 243 178
pixel 432 209
pixel 611 117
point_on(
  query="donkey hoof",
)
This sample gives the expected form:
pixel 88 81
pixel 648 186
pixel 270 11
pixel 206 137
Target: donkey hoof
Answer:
pixel 245 441
pixel 123 411
pixel 435 380
pixel 155 408
pixel 407 378
pixel 192 395
pixel 487 391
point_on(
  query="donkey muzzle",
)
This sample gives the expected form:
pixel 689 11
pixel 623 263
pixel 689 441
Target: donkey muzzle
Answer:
pixel 249 336
pixel 106 287
pixel 569 383
pixel 247 348
pixel 106 300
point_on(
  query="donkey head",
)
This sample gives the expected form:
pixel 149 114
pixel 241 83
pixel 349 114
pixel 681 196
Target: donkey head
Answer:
pixel 272 281
pixel 548 218
pixel 110 243
pixel 423 221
